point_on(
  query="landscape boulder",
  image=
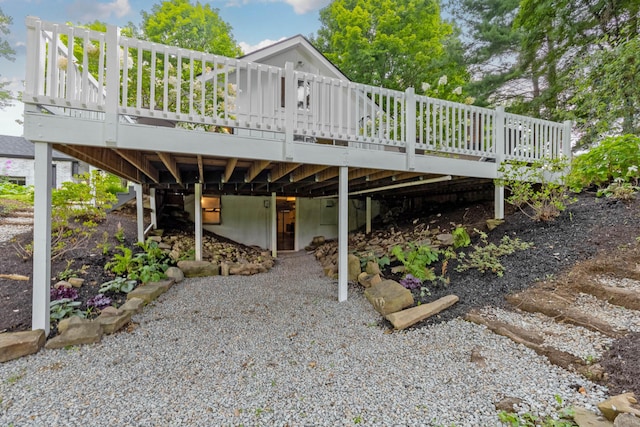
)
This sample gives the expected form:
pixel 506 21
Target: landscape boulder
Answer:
pixel 586 418
pixel 76 282
pixel 175 273
pixel 83 332
pixel 198 268
pixel 616 405
pixel 133 305
pixel 18 344
pixel 389 297
pixel 354 268
pixel 67 322
pixel 626 420
pixel 113 321
pixel 372 268
pixel 368 280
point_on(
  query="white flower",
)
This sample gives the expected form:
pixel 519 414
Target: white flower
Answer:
pixel 443 80
pixel 633 168
pixel 173 81
pixel 62 63
pixel 458 90
pixel 129 59
pixel 91 49
pixel 469 100
pixel 425 86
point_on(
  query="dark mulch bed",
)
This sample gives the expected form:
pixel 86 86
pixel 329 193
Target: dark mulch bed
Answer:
pixel 589 229
pixel 622 362
pixel 16 296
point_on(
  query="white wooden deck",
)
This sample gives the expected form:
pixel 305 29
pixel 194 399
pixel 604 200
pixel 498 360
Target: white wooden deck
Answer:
pixel 161 115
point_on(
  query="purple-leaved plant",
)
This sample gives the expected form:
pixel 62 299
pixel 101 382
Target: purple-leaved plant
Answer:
pixel 99 301
pixel 411 282
pixel 71 293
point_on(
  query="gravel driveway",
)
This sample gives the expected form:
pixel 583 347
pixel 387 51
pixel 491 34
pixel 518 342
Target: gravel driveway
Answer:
pixel 278 349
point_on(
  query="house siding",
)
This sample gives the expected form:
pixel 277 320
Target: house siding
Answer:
pixel 25 168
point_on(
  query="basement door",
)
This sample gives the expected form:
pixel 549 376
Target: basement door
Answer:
pixel 286 214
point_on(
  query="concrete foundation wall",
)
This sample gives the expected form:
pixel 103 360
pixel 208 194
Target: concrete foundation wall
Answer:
pixel 247 219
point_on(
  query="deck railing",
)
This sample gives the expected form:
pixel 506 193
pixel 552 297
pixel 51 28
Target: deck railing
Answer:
pixel 106 74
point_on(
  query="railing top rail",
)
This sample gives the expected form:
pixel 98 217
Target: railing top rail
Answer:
pixel 533 120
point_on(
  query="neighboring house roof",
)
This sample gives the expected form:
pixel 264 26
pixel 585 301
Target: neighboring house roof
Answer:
pixel 304 48
pixel 21 148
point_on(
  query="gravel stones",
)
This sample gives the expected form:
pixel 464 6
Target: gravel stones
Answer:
pixel 277 349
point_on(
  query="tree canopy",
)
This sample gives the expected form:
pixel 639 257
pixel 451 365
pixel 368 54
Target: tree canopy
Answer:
pixel 6 52
pixel 556 59
pixel 392 43
pixel 191 26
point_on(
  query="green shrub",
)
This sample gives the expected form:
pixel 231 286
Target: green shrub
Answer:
pixel 119 284
pixel 538 189
pixel 416 259
pixel 616 157
pixel 485 256
pixel 10 189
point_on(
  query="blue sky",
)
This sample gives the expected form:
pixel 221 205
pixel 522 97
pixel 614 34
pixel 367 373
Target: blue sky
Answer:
pixel 255 23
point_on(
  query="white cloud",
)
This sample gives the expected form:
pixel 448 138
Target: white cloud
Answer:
pixel 247 48
pixel 14 84
pixel 13 112
pixel 304 6
pixel 300 7
pixel 88 10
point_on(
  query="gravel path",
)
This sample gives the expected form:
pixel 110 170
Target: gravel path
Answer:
pixel 278 349
pixel 8 229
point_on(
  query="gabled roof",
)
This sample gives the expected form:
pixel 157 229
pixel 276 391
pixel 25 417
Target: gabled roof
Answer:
pixel 293 43
pixel 21 148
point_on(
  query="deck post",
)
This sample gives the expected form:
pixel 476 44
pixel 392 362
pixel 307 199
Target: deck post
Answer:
pixel 34 81
pixel 198 219
pixel 410 133
pixel 112 92
pixel 368 215
pixel 139 211
pixel 500 151
pixel 154 208
pixel 274 226
pixel 343 230
pixel 290 106
pixel 566 139
pixel 41 233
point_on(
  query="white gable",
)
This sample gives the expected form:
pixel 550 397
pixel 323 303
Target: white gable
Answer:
pixel 299 51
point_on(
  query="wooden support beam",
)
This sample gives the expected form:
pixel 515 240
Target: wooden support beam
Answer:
pixel 380 175
pixel 306 171
pixel 228 170
pixel 200 170
pixel 102 158
pixel 407 175
pixel 171 164
pixel 327 174
pixel 255 169
pixel 324 177
pixel 282 169
pixel 361 172
pixel 138 159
